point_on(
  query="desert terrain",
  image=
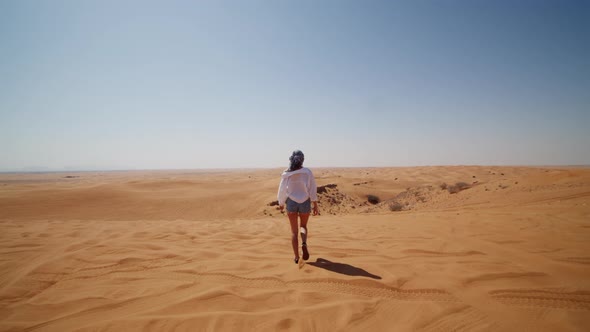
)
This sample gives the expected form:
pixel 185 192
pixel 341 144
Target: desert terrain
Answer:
pixel 462 248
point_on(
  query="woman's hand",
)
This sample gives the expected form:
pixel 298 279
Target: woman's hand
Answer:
pixel 281 207
pixel 316 210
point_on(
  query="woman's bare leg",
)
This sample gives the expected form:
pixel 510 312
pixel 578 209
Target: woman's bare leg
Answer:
pixel 294 230
pixel 304 218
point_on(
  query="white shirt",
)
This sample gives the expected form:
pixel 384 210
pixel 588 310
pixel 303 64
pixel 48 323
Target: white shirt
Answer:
pixel 298 185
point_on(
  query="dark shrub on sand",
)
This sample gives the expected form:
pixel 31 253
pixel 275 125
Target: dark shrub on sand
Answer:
pixel 373 199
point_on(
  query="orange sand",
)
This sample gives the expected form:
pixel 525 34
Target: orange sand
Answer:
pixel 204 250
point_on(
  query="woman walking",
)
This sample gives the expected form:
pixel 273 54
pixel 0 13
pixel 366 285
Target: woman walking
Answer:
pixel 298 191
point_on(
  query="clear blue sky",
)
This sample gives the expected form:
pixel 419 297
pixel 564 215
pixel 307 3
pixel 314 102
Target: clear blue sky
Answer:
pixel 194 84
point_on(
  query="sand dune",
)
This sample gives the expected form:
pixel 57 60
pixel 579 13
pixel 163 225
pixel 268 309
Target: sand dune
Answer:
pixel 206 250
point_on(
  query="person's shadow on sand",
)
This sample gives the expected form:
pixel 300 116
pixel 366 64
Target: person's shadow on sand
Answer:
pixel 342 268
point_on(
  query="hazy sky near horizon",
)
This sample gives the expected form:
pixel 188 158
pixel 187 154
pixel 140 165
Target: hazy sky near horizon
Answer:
pixel 203 84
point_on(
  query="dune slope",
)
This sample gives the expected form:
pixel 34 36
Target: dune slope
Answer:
pixel 206 251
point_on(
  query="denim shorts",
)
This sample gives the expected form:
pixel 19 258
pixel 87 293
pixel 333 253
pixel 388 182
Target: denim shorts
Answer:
pixel 293 206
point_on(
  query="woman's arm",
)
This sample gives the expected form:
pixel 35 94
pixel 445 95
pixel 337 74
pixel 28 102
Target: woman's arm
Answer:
pixel 312 188
pixel 313 193
pixel 282 194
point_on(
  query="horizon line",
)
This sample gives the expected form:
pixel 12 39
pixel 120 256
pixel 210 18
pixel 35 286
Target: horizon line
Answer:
pixel 83 170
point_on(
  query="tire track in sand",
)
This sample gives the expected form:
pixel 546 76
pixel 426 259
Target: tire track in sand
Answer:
pixel 575 300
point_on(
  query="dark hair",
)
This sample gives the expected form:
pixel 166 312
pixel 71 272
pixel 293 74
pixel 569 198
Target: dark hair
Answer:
pixel 296 160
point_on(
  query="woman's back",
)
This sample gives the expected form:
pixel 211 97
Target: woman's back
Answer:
pixel 298 185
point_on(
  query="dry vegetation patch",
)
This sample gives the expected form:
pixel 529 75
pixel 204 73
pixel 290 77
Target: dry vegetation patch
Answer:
pixel 395 206
pixel 457 187
pixel 333 201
